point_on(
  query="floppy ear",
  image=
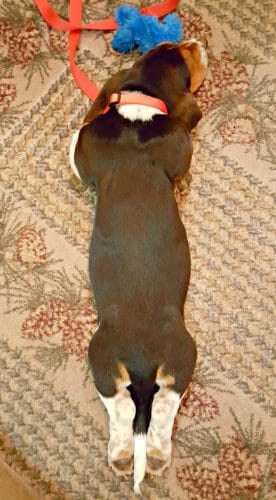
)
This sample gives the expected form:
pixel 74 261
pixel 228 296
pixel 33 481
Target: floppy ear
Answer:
pixel 188 111
pixel 196 59
pixel 97 107
pixel 112 85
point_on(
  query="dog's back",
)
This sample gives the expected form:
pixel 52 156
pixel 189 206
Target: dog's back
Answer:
pixel 139 244
pixel 142 355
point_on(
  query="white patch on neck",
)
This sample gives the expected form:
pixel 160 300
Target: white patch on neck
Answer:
pixel 140 112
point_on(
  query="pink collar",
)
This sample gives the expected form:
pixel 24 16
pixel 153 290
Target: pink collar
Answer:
pixel 119 99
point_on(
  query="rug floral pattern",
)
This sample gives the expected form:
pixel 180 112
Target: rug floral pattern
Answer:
pixel 53 428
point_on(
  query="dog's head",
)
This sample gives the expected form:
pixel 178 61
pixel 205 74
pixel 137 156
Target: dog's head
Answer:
pixel 171 68
pixel 170 72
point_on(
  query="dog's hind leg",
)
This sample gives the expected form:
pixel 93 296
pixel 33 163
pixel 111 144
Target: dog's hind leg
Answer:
pixel 159 444
pixel 121 410
pixel 173 378
pixel 111 379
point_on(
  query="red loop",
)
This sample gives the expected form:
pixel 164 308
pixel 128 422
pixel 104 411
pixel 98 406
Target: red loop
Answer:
pixel 74 27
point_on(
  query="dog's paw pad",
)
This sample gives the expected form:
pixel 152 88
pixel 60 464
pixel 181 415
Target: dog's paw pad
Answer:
pixel 122 466
pixel 156 465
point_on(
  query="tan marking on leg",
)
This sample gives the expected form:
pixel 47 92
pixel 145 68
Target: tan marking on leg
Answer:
pixel 123 380
pixel 164 380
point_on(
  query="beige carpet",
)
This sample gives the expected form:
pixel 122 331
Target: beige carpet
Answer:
pixel 53 428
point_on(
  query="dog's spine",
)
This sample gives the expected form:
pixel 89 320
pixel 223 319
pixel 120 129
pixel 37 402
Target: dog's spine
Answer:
pixel 142 397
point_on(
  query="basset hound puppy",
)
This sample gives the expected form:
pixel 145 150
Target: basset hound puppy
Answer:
pixel 133 144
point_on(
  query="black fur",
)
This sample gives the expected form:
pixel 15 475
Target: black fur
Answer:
pixel 142 398
pixel 139 259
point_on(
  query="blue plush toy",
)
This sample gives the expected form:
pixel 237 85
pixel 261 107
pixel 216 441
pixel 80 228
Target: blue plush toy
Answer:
pixel 142 31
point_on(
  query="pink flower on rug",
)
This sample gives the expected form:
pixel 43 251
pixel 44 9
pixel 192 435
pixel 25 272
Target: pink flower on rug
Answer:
pixel 228 77
pixel 58 41
pixel 202 483
pixel 24 44
pixel 238 474
pixel 81 326
pixel 198 403
pixel 6 32
pixel 47 320
pixel 7 95
pixel 238 130
pixel 194 26
pixel 30 248
pixel 239 468
pixel 76 324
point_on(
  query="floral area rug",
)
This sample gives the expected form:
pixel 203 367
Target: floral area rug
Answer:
pixel 53 428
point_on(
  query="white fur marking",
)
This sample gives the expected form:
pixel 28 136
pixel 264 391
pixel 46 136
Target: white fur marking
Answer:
pixel 191 41
pixel 140 461
pixel 203 52
pixel 141 112
pixel 203 55
pixel 121 410
pixel 72 153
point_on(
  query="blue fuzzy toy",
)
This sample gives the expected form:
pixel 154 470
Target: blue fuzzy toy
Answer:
pixel 142 31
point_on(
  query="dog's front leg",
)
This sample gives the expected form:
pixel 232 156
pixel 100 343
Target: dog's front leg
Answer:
pixel 121 410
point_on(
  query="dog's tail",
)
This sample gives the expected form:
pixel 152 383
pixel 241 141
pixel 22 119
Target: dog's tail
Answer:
pixel 140 460
pixel 142 397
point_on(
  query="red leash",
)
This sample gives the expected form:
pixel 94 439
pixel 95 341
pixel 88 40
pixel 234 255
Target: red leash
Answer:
pixel 74 27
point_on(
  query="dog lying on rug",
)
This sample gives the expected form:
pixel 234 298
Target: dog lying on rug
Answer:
pixel 134 142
